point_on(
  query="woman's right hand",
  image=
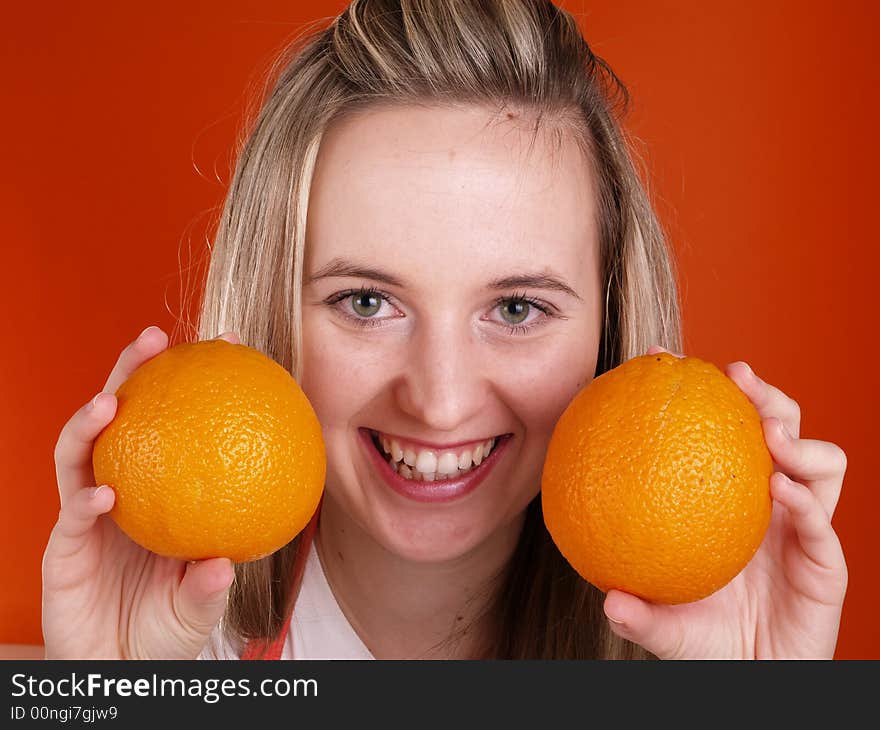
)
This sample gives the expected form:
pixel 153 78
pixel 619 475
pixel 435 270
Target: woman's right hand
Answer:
pixel 104 596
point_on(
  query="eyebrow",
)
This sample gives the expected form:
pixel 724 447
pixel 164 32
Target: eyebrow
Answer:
pixel 534 280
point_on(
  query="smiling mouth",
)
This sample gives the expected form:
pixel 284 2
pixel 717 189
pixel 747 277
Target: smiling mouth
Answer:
pixel 430 466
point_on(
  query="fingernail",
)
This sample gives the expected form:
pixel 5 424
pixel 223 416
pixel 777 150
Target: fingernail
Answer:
pixel 94 402
pixel 151 327
pixel 97 491
pixel 613 620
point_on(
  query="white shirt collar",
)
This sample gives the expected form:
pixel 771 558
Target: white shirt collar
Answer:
pixel 319 629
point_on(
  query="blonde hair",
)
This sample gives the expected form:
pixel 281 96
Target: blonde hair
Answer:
pixel 527 54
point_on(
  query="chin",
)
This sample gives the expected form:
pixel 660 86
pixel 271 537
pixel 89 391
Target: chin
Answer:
pixel 431 539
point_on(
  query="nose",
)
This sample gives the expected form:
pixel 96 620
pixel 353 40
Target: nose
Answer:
pixel 443 385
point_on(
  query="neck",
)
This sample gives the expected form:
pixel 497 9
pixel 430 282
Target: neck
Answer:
pixel 406 610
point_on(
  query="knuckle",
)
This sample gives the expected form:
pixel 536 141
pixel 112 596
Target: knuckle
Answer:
pixel 844 574
pixel 62 519
pixel 806 459
pixel 46 560
pixel 51 546
pixel 50 570
pixel 57 451
pixel 838 459
pixel 823 460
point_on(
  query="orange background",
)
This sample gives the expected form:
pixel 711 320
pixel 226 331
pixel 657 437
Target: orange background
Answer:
pixel 757 123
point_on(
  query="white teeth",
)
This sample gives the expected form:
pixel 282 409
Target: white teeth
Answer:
pixel 426 462
pixel 447 463
pixel 427 466
pixel 478 454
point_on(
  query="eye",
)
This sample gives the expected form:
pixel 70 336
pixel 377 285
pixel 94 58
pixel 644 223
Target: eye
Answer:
pixel 360 306
pixel 366 304
pixel 515 311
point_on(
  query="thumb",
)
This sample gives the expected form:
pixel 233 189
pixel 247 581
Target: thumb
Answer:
pixel 657 628
pixel 202 593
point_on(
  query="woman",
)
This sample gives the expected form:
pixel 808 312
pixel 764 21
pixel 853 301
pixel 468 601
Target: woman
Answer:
pixel 436 227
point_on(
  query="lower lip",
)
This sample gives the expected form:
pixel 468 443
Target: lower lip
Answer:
pixel 436 491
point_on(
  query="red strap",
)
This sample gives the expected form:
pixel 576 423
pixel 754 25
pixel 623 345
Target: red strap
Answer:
pixel 259 649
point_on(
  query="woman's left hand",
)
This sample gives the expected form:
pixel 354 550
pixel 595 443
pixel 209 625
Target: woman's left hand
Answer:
pixel 786 603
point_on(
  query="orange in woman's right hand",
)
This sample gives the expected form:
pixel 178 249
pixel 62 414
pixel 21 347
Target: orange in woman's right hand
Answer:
pixel 103 595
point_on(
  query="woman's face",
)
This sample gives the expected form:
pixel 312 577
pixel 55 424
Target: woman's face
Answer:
pixel 460 234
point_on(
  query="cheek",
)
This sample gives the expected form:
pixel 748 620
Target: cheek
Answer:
pixel 335 375
pixel 541 383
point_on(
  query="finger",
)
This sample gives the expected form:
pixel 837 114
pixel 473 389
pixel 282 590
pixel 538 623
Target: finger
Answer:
pixel 811 523
pixel 79 515
pixel 230 337
pixel 654 349
pixel 655 627
pixel 73 451
pixel 769 401
pixel 819 465
pixel 201 597
pixel 148 344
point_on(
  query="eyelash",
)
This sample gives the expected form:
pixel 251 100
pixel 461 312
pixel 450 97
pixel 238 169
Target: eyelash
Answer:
pixel 517 329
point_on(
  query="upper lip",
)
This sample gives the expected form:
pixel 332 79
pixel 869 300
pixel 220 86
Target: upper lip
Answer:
pixel 433 445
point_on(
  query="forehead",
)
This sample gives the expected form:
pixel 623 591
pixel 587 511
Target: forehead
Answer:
pixel 415 187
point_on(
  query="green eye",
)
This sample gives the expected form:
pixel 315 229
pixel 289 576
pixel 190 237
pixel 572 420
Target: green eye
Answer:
pixel 515 311
pixel 365 304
